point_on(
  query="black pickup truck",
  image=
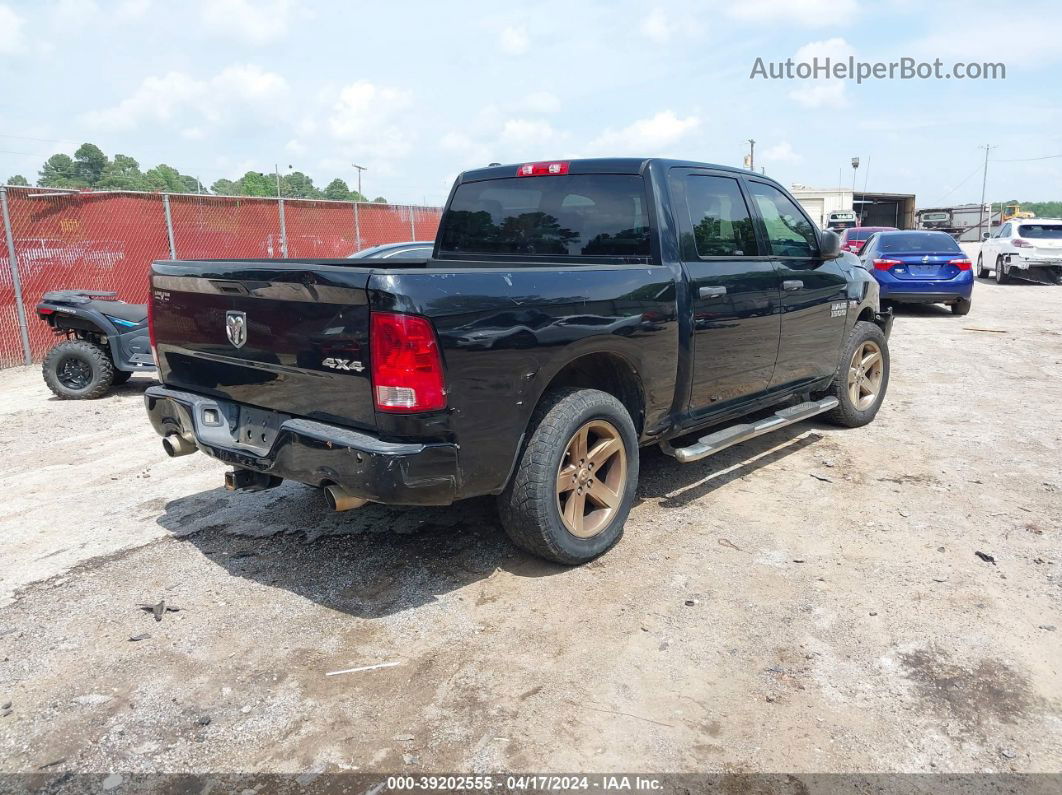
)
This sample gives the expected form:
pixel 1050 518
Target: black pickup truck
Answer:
pixel 571 313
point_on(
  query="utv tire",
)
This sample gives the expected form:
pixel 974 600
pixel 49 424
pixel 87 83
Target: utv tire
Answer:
pixel 860 381
pixel 78 370
pixel 962 306
pixel 982 271
pixel 565 502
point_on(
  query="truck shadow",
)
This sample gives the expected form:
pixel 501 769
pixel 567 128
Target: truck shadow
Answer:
pixel 378 560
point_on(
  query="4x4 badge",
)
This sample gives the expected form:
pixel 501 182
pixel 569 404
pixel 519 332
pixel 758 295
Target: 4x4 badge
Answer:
pixel 236 327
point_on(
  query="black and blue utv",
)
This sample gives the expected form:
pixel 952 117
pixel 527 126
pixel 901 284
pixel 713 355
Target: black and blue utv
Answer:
pixel 106 342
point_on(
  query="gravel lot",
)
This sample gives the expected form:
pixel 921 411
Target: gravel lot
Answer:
pixel 808 601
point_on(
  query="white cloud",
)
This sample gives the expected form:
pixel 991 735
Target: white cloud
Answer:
pixel 10 31
pixel 193 133
pixel 232 93
pixel 365 118
pixel 74 13
pixel 538 102
pixel 513 40
pixel 295 146
pixel 646 136
pixel 1010 41
pixel 525 132
pixel 133 9
pixel 808 13
pixel 253 22
pixel 822 93
pixel 781 153
pixel 656 26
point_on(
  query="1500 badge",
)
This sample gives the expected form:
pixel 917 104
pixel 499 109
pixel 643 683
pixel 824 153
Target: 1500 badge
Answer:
pixel 343 364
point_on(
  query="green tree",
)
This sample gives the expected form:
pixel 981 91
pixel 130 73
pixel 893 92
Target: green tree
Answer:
pixel 165 178
pixel 58 171
pixel 191 184
pixel 18 179
pixel 122 173
pixel 337 189
pixel 255 183
pixel 297 185
pixel 89 162
pixel 225 187
pixel 379 200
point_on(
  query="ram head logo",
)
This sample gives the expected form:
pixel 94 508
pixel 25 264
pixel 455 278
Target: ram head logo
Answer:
pixel 236 327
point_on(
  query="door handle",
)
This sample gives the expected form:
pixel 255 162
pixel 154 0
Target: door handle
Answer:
pixel 792 284
pixel 712 292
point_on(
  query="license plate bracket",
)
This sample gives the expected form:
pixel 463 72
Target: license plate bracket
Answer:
pixel 257 429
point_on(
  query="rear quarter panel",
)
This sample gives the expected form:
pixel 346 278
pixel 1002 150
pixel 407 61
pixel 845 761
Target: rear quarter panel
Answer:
pixel 505 335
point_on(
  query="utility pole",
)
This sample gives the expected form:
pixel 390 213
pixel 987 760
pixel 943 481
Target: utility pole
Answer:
pixel 276 170
pixel 360 169
pixel 752 154
pixel 981 210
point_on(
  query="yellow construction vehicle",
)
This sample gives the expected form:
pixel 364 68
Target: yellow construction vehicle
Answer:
pixel 1009 211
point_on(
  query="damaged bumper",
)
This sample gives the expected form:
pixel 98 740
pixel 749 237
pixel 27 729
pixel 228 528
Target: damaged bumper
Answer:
pixel 311 452
pixel 1047 271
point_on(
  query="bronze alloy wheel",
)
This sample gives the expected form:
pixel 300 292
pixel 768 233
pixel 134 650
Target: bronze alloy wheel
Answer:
pixel 592 478
pixel 865 375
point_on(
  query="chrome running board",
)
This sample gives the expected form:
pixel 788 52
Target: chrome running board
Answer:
pixel 720 440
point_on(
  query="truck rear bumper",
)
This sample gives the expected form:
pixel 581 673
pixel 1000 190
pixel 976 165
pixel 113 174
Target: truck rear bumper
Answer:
pixel 311 452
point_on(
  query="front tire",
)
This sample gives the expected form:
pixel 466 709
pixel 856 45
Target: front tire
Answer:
pixel 962 306
pixel 78 370
pixel 576 480
pixel 862 377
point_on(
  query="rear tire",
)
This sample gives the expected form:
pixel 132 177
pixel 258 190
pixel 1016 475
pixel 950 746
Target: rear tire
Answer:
pixel 120 377
pixel 563 504
pixel 1001 272
pixel 982 271
pixel 860 382
pixel 78 370
pixel 961 307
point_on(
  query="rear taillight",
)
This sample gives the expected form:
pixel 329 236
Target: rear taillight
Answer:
pixel 151 318
pixel 885 264
pixel 1019 243
pixel 962 264
pixel 44 310
pixel 407 374
pixel 546 169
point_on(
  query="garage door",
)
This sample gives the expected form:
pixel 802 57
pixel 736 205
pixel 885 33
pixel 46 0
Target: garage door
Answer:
pixel 816 209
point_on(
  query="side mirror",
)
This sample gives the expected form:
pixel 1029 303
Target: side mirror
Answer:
pixel 985 235
pixel 829 244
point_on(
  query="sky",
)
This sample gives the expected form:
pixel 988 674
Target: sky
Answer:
pixel 419 91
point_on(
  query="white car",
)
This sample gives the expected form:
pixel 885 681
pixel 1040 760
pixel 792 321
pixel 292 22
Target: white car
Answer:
pixel 1030 248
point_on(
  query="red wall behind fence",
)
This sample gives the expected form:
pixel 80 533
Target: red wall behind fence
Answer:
pixel 106 241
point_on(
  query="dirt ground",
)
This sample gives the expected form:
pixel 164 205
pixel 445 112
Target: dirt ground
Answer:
pixel 808 601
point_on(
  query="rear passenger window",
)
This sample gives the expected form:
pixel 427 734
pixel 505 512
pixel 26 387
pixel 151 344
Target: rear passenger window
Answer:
pixel 789 233
pixel 720 218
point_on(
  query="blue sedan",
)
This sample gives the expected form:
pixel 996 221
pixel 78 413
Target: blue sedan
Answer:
pixel 920 268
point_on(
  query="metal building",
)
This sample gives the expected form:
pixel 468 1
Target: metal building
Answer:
pixel 872 209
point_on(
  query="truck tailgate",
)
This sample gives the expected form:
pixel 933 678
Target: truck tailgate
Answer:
pixel 290 337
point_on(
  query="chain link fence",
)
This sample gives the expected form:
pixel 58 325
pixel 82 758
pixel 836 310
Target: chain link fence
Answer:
pixel 106 240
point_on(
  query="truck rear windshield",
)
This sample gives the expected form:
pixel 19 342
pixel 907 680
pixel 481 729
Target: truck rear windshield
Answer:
pixel 591 215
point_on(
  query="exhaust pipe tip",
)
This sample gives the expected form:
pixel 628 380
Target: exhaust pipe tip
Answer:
pixel 176 445
pixel 339 499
